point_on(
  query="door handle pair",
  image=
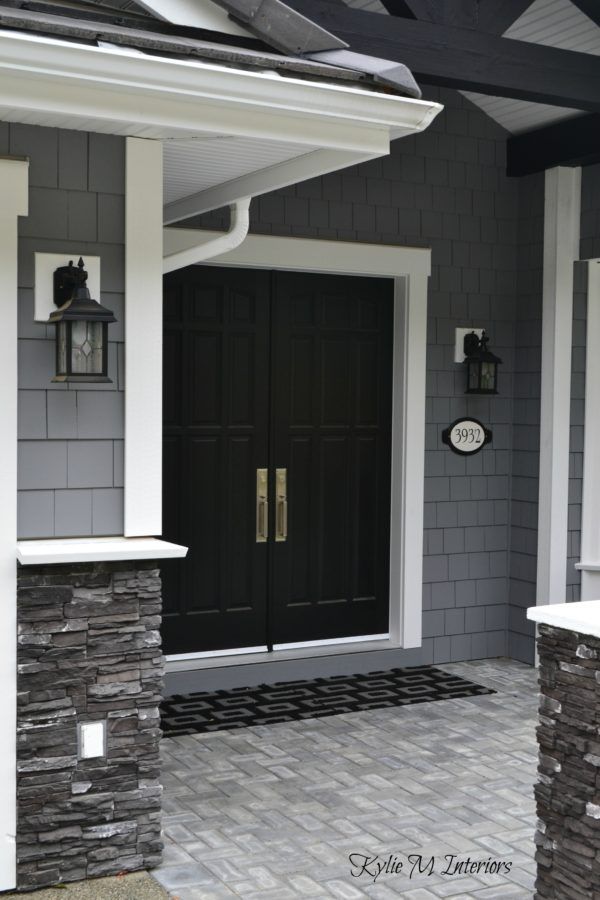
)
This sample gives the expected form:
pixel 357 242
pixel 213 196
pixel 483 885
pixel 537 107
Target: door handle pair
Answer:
pixel 262 505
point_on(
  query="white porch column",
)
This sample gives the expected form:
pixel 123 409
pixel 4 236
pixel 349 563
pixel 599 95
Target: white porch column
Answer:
pixel 13 203
pixel 408 468
pixel 561 249
pixel 143 337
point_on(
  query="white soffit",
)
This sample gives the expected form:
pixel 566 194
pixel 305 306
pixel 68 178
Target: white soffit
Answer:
pixel 196 165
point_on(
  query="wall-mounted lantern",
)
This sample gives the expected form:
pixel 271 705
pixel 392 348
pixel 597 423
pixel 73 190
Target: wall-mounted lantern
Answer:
pixel 481 364
pixel 81 328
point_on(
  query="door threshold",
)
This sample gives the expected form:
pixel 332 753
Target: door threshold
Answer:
pixel 190 662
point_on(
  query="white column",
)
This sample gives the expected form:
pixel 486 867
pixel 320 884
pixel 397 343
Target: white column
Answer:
pixel 13 203
pixel 561 249
pixel 143 337
pixel 408 460
pixel 590 518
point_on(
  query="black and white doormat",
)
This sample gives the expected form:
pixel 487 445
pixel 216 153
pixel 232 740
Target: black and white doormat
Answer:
pixel 286 701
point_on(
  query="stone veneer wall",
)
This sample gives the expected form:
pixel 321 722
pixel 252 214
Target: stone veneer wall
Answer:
pixel 568 790
pixel 88 650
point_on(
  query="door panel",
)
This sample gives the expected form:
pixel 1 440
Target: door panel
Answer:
pixel 276 371
pixel 331 428
pixel 215 437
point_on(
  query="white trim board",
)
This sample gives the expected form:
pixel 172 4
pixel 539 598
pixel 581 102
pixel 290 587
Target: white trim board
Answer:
pixel 590 519
pixel 14 191
pixel 143 337
pixel 410 268
pixel 561 249
pixel 101 549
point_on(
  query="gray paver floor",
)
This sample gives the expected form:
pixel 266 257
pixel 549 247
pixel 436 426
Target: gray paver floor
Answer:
pixel 276 811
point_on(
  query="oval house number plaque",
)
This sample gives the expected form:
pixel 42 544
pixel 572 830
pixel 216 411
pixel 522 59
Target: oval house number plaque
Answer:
pixel 466 436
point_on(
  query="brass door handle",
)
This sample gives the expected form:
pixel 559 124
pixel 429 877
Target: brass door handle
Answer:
pixel 281 524
pixel 262 506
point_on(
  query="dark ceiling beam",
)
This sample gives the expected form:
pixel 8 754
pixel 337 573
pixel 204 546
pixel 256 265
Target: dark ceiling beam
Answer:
pixel 398 8
pixel 573 142
pixel 466 59
pixel 463 13
pixel 495 17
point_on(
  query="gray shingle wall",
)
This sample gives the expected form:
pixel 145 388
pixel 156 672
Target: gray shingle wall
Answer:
pixel 446 189
pixel 70 440
pixel 526 417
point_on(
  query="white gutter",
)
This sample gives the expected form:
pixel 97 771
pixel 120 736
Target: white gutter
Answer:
pixel 238 230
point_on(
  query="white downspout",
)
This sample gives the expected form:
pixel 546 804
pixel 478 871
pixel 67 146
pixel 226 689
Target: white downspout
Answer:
pixel 238 231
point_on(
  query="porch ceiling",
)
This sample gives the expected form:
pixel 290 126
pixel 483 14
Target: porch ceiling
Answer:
pixel 193 166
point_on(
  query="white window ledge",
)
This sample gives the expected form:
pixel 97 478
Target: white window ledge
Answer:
pixel 588 566
pixel 583 617
pixel 66 550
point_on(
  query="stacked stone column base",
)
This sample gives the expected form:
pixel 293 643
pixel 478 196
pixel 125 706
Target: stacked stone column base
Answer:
pixel 568 789
pixel 88 651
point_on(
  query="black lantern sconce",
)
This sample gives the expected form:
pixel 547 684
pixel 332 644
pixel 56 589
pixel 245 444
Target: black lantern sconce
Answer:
pixel 481 364
pixel 81 328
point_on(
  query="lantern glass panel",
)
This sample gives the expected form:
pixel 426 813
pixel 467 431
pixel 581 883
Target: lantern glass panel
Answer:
pixel 473 376
pixel 61 348
pixel 488 376
pixel 86 348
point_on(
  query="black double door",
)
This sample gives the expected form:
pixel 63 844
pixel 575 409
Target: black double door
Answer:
pixel 277 439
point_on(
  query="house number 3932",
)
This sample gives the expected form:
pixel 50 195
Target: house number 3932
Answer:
pixel 466 436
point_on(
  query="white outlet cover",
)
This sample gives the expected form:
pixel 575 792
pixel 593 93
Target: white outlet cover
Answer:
pixel 92 740
pixel 45 264
pixel 459 353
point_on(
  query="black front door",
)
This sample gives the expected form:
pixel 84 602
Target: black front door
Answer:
pixel 291 374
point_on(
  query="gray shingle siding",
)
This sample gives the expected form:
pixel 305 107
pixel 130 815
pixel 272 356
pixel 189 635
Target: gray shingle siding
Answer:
pixel 70 439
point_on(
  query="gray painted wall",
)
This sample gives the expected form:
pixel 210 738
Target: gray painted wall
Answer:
pixel 70 439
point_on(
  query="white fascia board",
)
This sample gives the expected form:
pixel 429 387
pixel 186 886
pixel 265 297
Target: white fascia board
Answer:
pixel 307 254
pixel 45 81
pixel 195 14
pixel 68 550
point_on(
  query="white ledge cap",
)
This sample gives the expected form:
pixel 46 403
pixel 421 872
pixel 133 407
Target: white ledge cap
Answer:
pixel 581 617
pixel 66 550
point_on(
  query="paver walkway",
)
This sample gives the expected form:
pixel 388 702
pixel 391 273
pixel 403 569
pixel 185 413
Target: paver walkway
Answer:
pixel 275 811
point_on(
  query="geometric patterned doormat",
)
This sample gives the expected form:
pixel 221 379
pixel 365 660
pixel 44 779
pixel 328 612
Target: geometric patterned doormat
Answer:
pixel 290 700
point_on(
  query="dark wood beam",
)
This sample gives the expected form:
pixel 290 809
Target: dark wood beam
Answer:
pixel 495 17
pixel 463 13
pixel 466 59
pixel 398 8
pixel 590 7
pixel 572 142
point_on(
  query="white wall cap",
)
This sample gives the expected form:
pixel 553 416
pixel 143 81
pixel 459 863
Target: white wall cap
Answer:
pixel 583 617
pixel 65 550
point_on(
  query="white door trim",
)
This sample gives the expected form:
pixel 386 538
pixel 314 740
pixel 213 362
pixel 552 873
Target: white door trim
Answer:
pixel 14 192
pixel 410 268
pixel 561 249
